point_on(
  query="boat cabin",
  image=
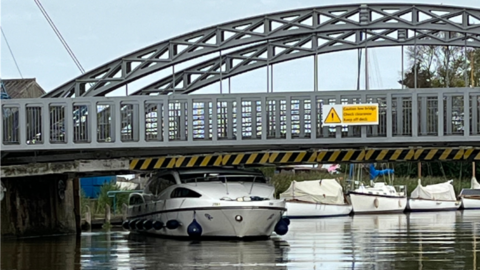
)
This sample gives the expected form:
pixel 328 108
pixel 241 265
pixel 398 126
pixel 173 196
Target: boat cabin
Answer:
pixel 164 179
pixel 469 193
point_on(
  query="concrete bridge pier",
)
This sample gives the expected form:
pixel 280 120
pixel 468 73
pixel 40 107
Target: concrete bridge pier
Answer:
pixel 40 205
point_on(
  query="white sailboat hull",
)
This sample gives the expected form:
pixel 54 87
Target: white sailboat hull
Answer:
pixel 305 210
pixel 468 203
pixel 432 205
pixel 372 203
pixel 216 219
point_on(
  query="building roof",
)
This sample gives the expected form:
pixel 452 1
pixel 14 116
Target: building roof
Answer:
pixel 23 88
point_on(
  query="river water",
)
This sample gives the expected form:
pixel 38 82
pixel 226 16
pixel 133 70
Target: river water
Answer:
pixel 432 240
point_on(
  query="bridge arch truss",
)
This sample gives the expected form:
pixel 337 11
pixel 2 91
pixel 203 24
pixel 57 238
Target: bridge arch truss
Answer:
pixel 277 37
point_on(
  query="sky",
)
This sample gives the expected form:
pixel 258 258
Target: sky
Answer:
pixel 101 31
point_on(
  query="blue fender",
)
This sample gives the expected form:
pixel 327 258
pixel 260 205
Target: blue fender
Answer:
pixel 194 229
pixel 281 228
pixel 173 224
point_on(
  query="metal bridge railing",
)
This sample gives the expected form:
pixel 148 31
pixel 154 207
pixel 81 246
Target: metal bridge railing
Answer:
pixel 405 116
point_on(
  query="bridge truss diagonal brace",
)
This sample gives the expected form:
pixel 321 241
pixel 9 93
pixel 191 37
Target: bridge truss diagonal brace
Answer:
pixel 273 52
pixel 269 27
pixel 77 166
pixel 307 157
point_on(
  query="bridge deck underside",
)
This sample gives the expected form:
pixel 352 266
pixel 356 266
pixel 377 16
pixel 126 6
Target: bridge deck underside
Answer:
pixel 145 164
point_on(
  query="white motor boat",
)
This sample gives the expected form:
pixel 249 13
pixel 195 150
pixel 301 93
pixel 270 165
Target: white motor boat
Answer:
pixel 471 197
pixel 210 202
pixel 437 197
pixel 380 198
pixel 315 198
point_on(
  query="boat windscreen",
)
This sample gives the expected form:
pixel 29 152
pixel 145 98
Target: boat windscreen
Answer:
pixel 191 178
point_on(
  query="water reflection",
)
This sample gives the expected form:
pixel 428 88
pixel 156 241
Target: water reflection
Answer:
pixel 320 243
pixel 181 254
pixel 43 253
pixel 435 240
pixel 105 250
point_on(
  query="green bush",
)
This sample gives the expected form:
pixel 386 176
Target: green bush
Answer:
pixel 103 199
pixel 83 202
pixel 459 169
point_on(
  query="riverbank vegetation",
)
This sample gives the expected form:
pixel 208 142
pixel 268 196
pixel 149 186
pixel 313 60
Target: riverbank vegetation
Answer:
pixel 97 205
pixel 405 175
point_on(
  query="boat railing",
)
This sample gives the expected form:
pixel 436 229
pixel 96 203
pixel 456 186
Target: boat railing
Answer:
pixel 225 177
pixel 400 190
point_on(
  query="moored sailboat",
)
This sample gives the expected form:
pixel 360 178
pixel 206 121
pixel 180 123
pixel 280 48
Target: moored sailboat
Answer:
pixel 315 198
pixel 380 198
pixel 471 197
pixel 435 197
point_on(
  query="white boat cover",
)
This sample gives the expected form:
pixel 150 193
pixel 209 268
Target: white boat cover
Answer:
pixel 327 191
pixel 475 184
pixel 443 191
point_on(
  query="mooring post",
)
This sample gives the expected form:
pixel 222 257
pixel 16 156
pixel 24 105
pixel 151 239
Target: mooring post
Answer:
pixel 77 203
pixel 124 212
pixel 473 169
pixel 88 219
pixel 107 214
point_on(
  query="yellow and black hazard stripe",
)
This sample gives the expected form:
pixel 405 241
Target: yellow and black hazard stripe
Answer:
pixel 400 154
pixel 338 156
pixel 290 157
pixel 233 159
pixel 307 157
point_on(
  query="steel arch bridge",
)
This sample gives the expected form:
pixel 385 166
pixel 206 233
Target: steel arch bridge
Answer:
pixel 125 127
pixel 277 37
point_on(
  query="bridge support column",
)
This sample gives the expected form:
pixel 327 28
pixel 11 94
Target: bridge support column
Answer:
pixel 39 205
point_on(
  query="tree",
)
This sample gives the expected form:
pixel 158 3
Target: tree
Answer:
pixel 473 57
pixel 442 66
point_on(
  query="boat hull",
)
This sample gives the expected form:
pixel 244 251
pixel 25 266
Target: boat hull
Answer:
pixel 468 203
pixel 310 210
pixel 226 219
pixel 432 205
pixel 372 203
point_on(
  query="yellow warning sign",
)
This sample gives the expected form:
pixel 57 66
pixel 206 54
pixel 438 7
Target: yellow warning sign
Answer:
pixel 350 114
pixel 360 114
pixel 332 117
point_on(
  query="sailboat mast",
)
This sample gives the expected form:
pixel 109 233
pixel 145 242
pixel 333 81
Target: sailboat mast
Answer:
pixel 473 169
pixel 293 190
pixel 472 81
pixel 226 184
